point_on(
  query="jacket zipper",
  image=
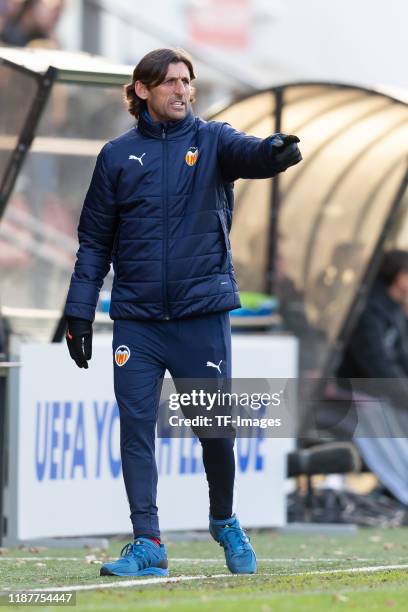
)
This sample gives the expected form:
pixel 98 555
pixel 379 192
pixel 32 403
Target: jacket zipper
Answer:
pixel 165 228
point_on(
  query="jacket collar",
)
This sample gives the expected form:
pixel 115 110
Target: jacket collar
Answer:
pixel 173 129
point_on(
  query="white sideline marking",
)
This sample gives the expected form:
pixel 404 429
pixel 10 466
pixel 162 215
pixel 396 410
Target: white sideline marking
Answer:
pixel 355 570
pixel 42 558
pixel 123 583
pixel 207 560
pixel 274 559
pixel 146 581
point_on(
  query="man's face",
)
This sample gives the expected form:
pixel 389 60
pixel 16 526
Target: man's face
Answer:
pixel 399 289
pixel 170 100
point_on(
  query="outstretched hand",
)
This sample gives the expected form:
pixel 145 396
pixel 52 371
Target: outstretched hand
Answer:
pixel 284 150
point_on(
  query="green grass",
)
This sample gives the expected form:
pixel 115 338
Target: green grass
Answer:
pixel 282 581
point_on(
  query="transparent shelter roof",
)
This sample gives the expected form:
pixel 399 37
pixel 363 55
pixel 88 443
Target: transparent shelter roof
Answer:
pixel 70 67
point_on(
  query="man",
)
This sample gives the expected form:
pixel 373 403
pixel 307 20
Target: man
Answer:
pixel 159 207
pixel 378 351
pixel 378 347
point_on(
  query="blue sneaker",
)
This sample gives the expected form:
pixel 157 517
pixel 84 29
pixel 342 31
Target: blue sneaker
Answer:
pixel 140 558
pixel 239 554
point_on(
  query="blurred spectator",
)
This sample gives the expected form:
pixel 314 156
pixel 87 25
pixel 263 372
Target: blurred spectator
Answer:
pixel 29 20
pixel 378 347
pixel 376 359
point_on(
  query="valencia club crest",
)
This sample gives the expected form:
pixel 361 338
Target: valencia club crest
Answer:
pixel 191 156
pixel 122 355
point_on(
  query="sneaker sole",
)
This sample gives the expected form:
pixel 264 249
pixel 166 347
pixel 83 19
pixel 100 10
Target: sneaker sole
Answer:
pixel 149 571
pixel 249 571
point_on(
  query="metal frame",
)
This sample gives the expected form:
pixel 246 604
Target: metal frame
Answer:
pixel 275 202
pixel 3 404
pixel 27 134
pixel 216 110
pixel 117 76
pixel 5 460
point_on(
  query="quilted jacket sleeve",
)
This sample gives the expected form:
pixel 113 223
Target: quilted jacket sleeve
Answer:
pixel 96 234
pixel 243 156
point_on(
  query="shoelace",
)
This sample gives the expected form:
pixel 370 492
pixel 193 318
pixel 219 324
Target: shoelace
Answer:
pixel 137 550
pixel 126 550
pixel 234 538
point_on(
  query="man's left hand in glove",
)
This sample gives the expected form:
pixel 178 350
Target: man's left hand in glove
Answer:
pixel 79 340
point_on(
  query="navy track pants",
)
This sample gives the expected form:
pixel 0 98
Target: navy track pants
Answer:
pixel 183 347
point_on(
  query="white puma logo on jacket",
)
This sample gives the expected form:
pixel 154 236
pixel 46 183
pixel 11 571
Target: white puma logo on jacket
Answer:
pixel 139 159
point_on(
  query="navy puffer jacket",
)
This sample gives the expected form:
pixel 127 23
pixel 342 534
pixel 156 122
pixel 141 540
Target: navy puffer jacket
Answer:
pixel 159 207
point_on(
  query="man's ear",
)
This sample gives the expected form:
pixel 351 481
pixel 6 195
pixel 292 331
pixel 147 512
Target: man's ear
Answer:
pixel 141 90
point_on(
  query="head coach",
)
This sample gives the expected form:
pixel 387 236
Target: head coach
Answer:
pixel 159 208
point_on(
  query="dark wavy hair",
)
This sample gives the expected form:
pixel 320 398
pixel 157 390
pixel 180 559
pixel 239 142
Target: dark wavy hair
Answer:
pixel 393 263
pixel 152 70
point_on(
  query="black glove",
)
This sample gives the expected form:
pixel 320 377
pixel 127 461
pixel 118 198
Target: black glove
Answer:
pixel 79 340
pixel 285 151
